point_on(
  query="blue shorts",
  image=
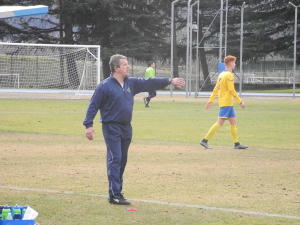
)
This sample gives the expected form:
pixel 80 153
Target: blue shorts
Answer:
pixel 227 112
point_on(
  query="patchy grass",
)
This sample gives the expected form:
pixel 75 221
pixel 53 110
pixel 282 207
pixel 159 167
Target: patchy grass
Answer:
pixel 42 146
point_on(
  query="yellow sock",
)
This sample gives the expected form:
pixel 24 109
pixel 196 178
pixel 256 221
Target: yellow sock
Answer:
pixel 234 134
pixel 212 131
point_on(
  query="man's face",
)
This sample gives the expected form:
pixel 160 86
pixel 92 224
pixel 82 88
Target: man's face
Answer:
pixel 123 69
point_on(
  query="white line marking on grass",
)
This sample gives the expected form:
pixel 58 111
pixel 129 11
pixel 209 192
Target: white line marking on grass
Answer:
pixel 262 214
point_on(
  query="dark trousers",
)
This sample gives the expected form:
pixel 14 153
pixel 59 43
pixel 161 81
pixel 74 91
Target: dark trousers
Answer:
pixel 151 94
pixel 117 138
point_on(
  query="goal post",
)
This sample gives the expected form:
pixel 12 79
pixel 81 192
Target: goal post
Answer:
pixel 49 66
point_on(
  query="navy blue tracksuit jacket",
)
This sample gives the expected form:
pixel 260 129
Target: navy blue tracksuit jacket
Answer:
pixel 116 105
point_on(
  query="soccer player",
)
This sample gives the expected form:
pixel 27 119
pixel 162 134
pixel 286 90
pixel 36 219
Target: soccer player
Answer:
pixel 150 73
pixel 114 97
pixel 225 91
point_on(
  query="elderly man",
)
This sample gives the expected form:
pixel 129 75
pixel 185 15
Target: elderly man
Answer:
pixel 114 97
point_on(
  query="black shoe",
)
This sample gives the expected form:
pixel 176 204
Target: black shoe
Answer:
pixel 122 196
pixel 239 146
pixel 119 200
pixel 204 144
pixel 146 102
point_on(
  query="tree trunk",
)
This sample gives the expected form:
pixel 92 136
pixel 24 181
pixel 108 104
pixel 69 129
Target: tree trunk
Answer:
pixel 71 58
pixel 175 51
pixel 203 61
pixel 105 67
pixel 61 51
pixel 204 67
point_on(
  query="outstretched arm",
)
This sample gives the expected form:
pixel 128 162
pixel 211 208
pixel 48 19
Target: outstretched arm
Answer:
pixel 145 85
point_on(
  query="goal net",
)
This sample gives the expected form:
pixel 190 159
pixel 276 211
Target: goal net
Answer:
pixel 47 67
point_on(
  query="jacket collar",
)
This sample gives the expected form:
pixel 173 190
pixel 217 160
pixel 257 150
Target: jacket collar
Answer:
pixel 112 77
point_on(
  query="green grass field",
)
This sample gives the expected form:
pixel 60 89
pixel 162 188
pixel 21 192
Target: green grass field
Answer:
pixel 297 90
pixel 42 145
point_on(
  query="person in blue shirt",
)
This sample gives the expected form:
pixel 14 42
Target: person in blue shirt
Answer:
pixel 114 97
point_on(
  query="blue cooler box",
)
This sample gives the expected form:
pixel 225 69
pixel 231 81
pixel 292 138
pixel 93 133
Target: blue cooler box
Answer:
pixel 17 222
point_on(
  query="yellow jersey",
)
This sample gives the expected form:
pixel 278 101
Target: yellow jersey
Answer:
pixel 225 90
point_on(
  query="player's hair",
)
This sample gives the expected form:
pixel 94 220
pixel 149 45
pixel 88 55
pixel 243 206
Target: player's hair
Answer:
pixel 150 63
pixel 115 61
pixel 229 58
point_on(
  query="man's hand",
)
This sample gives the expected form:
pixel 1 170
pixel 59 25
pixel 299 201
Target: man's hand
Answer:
pixel 178 82
pixel 242 104
pixel 208 105
pixel 89 133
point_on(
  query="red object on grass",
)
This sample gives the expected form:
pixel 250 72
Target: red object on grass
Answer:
pixel 132 210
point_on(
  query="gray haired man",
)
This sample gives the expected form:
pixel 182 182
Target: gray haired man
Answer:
pixel 114 97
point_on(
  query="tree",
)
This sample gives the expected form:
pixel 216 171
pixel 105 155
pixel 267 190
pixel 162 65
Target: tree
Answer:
pixel 128 27
pixel 268 28
pixel 141 29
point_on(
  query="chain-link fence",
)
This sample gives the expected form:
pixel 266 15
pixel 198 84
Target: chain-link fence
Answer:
pixel 264 75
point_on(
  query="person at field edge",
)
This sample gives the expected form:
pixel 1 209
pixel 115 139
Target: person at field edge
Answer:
pixel 225 91
pixel 114 97
pixel 150 73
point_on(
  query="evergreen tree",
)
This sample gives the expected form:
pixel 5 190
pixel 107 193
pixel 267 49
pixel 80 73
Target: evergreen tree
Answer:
pixel 141 28
pixel 268 29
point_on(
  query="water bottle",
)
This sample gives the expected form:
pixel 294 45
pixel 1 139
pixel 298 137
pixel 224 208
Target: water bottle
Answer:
pixel 1 208
pixel 23 211
pixel 6 214
pixel 17 213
